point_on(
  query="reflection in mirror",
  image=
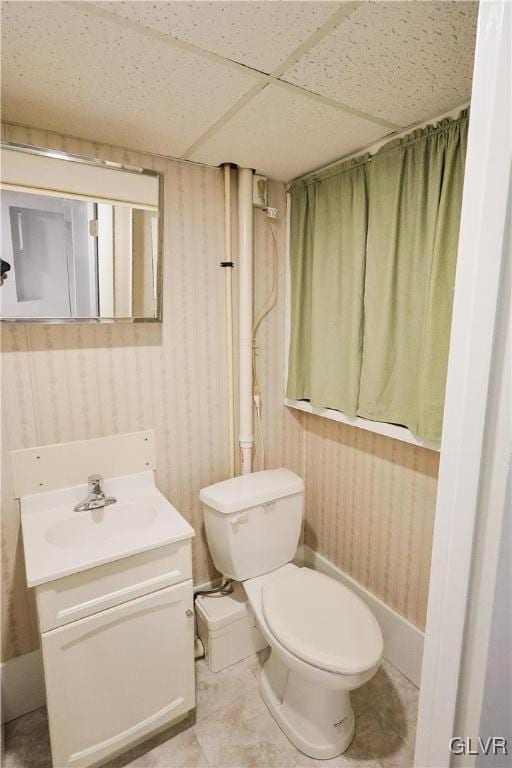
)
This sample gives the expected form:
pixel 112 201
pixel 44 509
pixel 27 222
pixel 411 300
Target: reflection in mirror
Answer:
pixel 71 258
pixel 78 256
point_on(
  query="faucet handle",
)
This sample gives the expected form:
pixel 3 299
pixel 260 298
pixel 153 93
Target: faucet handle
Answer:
pixel 95 481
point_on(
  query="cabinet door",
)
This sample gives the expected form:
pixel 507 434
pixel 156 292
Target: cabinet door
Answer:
pixel 116 676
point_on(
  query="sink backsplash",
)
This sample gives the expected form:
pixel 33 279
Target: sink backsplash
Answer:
pixel 50 467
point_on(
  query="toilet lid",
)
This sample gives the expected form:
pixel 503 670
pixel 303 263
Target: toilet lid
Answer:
pixel 322 622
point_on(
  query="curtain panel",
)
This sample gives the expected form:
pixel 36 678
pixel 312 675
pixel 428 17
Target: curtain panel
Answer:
pixel 328 226
pixel 373 252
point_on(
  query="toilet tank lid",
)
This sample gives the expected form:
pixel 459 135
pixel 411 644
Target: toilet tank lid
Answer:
pixel 250 490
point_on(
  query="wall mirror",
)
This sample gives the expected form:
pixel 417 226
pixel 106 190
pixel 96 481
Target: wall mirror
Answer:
pixel 81 239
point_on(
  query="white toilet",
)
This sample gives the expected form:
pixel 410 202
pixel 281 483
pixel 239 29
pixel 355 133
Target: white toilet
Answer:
pixel 324 640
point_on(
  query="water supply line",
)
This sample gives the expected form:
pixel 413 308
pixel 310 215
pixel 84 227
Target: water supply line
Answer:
pixel 245 317
pixel 228 289
pixel 224 588
pixel 268 305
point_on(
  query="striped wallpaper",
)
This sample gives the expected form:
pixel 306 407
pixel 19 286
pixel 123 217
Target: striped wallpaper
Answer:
pixel 370 510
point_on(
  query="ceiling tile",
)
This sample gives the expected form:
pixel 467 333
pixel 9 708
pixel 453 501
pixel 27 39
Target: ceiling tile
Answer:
pixel 65 70
pixel 258 34
pixel 401 61
pixel 282 133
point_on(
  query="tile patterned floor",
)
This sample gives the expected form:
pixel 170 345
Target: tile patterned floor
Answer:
pixel 231 728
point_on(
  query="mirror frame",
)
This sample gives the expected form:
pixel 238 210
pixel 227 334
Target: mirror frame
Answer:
pixel 61 155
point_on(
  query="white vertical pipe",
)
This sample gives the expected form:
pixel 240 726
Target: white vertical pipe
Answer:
pixel 228 275
pixel 245 313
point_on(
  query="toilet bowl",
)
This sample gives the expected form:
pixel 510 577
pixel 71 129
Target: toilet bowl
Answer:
pixel 324 641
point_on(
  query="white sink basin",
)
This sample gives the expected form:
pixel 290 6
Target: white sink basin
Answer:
pixel 103 523
pixel 59 541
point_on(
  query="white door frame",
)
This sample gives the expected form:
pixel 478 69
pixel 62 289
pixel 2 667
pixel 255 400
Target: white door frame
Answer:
pixel 480 261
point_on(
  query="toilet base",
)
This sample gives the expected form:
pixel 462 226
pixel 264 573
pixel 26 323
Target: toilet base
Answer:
pixel 317 720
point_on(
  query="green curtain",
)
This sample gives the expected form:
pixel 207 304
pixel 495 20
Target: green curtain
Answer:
pixel 373 246
pixel 415 191
pixel 327 260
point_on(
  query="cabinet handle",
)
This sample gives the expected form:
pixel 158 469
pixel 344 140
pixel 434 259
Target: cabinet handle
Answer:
pixel 189 613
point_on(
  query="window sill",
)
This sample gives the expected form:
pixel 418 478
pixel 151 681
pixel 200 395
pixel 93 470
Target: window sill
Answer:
pixel 379 427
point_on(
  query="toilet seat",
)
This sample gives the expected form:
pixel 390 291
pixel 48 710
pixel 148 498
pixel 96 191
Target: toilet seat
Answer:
pixel 322 622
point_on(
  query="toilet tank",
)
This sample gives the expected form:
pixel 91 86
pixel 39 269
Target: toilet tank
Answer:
pixel 253 522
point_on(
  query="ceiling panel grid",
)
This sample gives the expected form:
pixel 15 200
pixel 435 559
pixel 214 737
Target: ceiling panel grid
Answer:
pixel 282 86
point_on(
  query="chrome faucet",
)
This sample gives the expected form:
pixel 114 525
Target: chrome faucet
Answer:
pixel 96 497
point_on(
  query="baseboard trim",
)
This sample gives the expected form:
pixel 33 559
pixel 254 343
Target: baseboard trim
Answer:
pixel 403 642
pixel 22 685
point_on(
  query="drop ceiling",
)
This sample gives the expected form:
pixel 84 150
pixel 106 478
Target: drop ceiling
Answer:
pixel 280 86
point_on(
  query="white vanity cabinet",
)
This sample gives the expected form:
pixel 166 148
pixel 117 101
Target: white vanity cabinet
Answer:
pixel 113 587
pixel 118 652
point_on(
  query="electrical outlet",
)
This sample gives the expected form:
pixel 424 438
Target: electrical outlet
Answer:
pixel 271 212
